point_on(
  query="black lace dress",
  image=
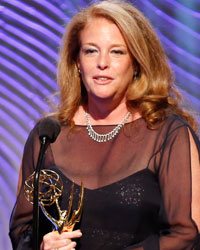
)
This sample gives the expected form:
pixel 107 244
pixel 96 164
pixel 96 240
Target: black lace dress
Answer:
pixel 137 187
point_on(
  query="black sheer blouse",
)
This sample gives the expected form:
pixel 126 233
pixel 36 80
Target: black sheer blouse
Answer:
pixel 137 187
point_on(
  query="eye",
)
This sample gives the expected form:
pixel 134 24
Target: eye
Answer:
pixel 117 51
pixel 89 51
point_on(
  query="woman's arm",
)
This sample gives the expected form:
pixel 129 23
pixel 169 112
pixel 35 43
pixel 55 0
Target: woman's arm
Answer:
pixel 178 175
pixel 179 178
pixel 21 218
pixel 195 166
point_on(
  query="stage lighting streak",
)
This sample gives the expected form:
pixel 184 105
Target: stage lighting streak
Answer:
pixel 23 105
pixel 13 127
pixel 13 162
pixel 184 10
pixel 28 99
pixel 171 21
pixel 36 27
pixel 4 211
pixel 183 58
pixel 14 111
pixel 182 75
pixel 172 7
pixel 31 68
pixel 9 132
pixel 24 79
pixel 18 129
pixel 73 6
pixel 6 195
pixel 195 83
pixel 170 45
pixel 195 104
pixel 6 150
pixel 32 42
pixel 32 13
pixel 9 138
pixel 51 8
pixel 5 171
pixel 34 57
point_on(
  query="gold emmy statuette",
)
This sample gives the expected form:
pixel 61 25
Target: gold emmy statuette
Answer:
pixel 50 189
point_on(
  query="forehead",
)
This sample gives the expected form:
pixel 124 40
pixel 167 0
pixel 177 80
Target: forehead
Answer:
pixel 100 29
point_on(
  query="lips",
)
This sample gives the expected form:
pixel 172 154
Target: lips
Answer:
pixel 102 79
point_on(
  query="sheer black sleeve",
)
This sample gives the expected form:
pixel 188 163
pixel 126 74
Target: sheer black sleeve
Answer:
pixel 169 149
pixel 175 177
pixel 178 231
pixel 21 218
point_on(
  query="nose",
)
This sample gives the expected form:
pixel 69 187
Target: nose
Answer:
pixel 103 61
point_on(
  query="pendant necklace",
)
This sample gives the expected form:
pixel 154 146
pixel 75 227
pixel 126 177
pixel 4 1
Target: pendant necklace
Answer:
pixel 104 137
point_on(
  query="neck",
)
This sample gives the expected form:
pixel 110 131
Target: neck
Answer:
pixel 106 114
pixel 103 114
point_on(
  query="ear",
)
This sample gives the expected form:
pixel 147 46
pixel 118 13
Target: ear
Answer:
pixel 78 62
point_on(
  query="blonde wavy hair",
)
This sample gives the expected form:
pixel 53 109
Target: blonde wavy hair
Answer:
pixel 151 91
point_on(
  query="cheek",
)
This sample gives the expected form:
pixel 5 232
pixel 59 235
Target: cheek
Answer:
pixel 123 66
pixel 127 74
pixel 86 74
pixel 87 68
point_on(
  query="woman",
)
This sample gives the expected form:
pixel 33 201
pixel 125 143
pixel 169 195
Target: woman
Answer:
pixel 124 134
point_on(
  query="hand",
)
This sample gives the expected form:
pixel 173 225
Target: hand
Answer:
pixel 62 241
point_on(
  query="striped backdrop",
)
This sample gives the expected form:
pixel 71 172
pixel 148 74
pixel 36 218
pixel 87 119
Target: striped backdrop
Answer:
pixel 29 40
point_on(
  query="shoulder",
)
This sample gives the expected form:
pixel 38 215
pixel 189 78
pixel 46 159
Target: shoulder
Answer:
pixel 174 124
pixel 175 121
pixel 176 128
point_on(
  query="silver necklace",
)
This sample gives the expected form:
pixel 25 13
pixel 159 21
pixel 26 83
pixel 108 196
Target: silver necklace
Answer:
pixel 104 137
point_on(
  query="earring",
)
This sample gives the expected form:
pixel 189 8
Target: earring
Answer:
pixel 135 76
pixel 79 71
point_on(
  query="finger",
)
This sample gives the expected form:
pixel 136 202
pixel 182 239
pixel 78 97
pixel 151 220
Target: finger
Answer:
pixel 51 241
pixel 58 244
pixel 63 245
pixel 71 246
pixel 64 235
pixel 55 240
pixel 69 235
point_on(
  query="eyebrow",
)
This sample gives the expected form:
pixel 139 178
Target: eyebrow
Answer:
pixel 112 45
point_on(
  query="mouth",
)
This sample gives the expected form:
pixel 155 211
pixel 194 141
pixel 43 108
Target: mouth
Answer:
pixel 102 79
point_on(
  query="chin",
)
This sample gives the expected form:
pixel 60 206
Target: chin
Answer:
pixel 101 95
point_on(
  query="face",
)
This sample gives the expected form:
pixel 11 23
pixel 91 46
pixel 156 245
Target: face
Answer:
pixel 104 61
